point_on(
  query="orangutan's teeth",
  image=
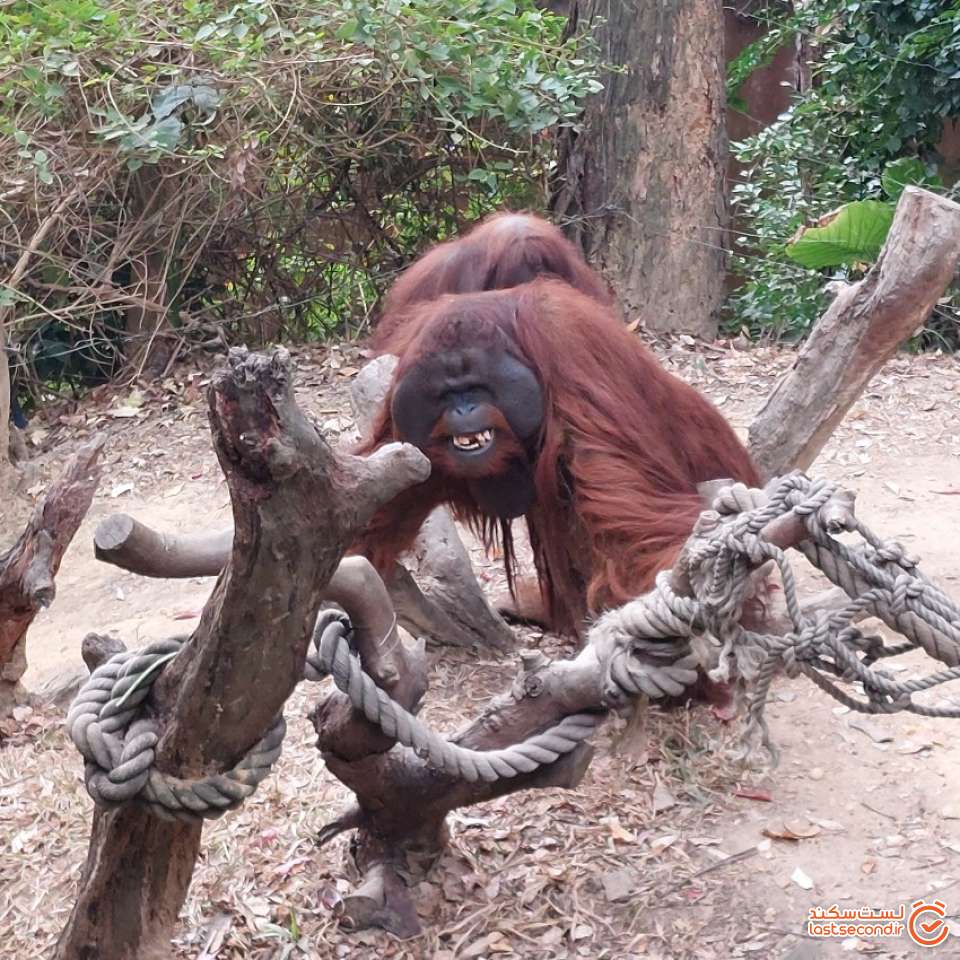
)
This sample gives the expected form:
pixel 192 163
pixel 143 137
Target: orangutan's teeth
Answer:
pixel 473 441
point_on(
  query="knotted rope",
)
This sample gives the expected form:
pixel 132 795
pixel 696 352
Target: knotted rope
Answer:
pixel 118 744
pixel 642 648
pixel 726 547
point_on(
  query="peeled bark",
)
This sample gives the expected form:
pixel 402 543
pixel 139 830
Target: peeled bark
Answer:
pixel 28 570
pixel 296 507
pixel 861 330
pixel 641 184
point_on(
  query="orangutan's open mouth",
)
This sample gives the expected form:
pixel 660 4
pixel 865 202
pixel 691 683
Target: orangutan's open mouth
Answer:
pixel 473 442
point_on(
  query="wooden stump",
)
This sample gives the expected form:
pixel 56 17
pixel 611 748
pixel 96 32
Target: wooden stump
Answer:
pixel 28 570
pixel 297 506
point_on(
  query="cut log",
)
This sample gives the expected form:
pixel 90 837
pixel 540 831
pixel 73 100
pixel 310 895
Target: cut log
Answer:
pixel 28 570
pixel 131 545
pixel 440 597
pixel 297 506
pixel 860 331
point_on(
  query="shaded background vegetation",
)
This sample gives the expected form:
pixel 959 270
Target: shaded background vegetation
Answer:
pixel 255 171
pixel 217 172
pixel 877 83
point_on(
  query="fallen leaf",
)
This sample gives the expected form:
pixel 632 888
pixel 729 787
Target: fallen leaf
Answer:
pixel 498 943
pixel 753 793
pixel 828 824
pixel 801 879
pixel 793 831
pixel 477 948
pixel 619 884
pixel 663 799
pixel 582 931
pixel 217 930
pixel 872 730
pixel 330 898
pixel 617 831
pixel 662 843
pixel 119 489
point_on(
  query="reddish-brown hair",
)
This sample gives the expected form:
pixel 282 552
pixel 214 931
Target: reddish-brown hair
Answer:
pixel 622 448
pixel 502 251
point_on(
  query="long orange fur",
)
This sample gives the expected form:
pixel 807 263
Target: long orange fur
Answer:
pixel 622 448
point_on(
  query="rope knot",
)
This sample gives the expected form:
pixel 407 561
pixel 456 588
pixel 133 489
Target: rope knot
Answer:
pixel 906 588
pixel 118 744
pixel 892 552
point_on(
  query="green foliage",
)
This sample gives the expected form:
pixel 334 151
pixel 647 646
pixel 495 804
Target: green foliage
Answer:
pixel 885 75
pixel 852 235
pixel 276 163
pixel 907 172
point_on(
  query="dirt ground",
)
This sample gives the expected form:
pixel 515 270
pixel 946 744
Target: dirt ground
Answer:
pixel 664 855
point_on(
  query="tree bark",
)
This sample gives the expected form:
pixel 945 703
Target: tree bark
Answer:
pixel 641 184
pixel 28 570
pixel 6 459
pixel 146 349
pixel 296 507
pixel 860 331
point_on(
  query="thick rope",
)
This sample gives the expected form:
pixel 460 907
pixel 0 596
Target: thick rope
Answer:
pixel 118 744
pixel 333 656
pixel 719 560
pixel 643 648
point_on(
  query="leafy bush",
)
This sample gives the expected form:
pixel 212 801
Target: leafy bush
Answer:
pixel 885 75
pixel 267 166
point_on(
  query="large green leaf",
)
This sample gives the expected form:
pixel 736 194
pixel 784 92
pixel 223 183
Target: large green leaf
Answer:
pixel 907 172
pixel 853 234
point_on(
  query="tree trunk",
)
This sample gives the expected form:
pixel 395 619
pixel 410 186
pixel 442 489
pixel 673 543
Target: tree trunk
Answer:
pixel 641 185
pixel 297 506
pixel 860 331
pixel 29 568
pixel 5 458
pixel 147 350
